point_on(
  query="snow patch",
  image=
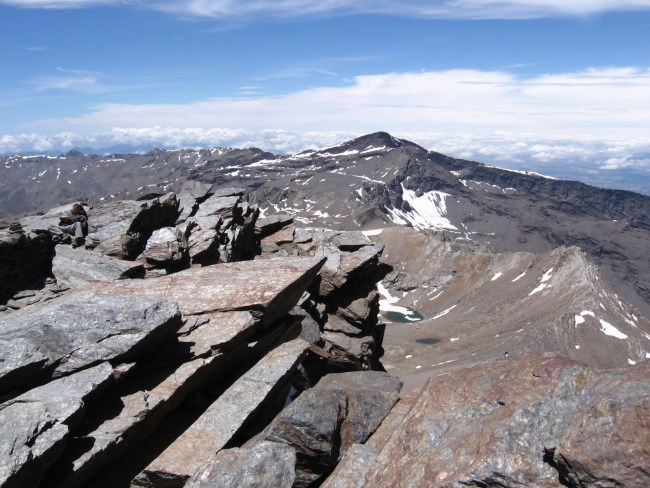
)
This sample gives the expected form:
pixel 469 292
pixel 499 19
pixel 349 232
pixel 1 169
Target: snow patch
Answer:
pixel 497 276
pixel 444 312
pixel 428 210
pixel 519 277
pixel 610 330
pixel 374 232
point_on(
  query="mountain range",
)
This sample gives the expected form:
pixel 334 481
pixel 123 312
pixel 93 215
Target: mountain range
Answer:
pixel 369 182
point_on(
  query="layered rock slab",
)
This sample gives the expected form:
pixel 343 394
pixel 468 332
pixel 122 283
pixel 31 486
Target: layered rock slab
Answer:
pixel 75 332
pixel 267 288
pixel 35 426
pixel 221 421
pixel 535 421
pixel 78 267
pixel 141 411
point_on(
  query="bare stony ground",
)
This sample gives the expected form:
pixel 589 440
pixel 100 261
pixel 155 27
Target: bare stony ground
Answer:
pixel 480 306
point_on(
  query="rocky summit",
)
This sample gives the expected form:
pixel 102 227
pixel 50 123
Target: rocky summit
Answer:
pixel 370 314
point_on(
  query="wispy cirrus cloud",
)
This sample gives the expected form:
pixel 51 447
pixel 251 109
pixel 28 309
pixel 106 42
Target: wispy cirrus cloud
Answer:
pixel 70 80
pixel 265 9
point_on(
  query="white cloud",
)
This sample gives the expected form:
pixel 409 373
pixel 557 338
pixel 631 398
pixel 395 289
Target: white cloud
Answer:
pixel 609 102
pixel 265 9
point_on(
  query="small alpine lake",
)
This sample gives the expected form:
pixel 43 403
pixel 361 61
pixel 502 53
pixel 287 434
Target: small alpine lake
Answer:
pixel 402 315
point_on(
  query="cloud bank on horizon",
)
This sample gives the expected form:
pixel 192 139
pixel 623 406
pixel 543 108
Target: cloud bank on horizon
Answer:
pixel 586 121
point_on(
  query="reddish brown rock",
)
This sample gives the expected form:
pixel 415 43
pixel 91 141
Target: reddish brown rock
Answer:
pixel 519 422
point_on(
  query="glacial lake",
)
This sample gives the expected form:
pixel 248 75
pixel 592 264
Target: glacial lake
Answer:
pixel 404 316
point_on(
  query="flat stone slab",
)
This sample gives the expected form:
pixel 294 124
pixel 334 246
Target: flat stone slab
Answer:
pixel 75 332
pixel 269 287
pixel 217 425
pixel 78 267
pixel 34 427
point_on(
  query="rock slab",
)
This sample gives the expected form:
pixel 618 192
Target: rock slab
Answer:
pixel 76 332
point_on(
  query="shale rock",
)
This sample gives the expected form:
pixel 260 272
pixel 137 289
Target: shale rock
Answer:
pixel 535 421
pixel 210 433
pixel 123 228
pixel 76 332
pixel 35 426
pixel 267 288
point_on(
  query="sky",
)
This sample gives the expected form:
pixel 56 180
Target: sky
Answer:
pixel 558 87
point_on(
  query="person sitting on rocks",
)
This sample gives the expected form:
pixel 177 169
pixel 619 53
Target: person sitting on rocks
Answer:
pixel 73 225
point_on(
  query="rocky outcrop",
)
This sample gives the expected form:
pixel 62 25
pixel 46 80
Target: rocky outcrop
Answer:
pixel 537 421
pixel 266 464
pixel 37 424
pixel 345 303
pixel 223 336
pixel 25 260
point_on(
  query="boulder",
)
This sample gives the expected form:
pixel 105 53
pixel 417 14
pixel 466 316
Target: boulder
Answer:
pixel 25 260
pixel 166 248
pixel 341 410
pixel 75 332
pixel 533 421
pixel 123 228
pixel 266 464
pixel 271 224
pixel 75 268
pixel 35 426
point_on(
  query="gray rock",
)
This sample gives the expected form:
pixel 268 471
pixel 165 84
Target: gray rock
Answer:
pixel 273 223
pixel 165 247
pixel 75 332
pixel 312 425
pixel 34 427
pixel 223 206
pixel 197 189
pixel 371 396
pixel 76 268
pixel 122 228
pixel 217 425
pixel 266 464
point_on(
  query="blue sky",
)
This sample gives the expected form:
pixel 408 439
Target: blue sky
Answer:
pixel 561 87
